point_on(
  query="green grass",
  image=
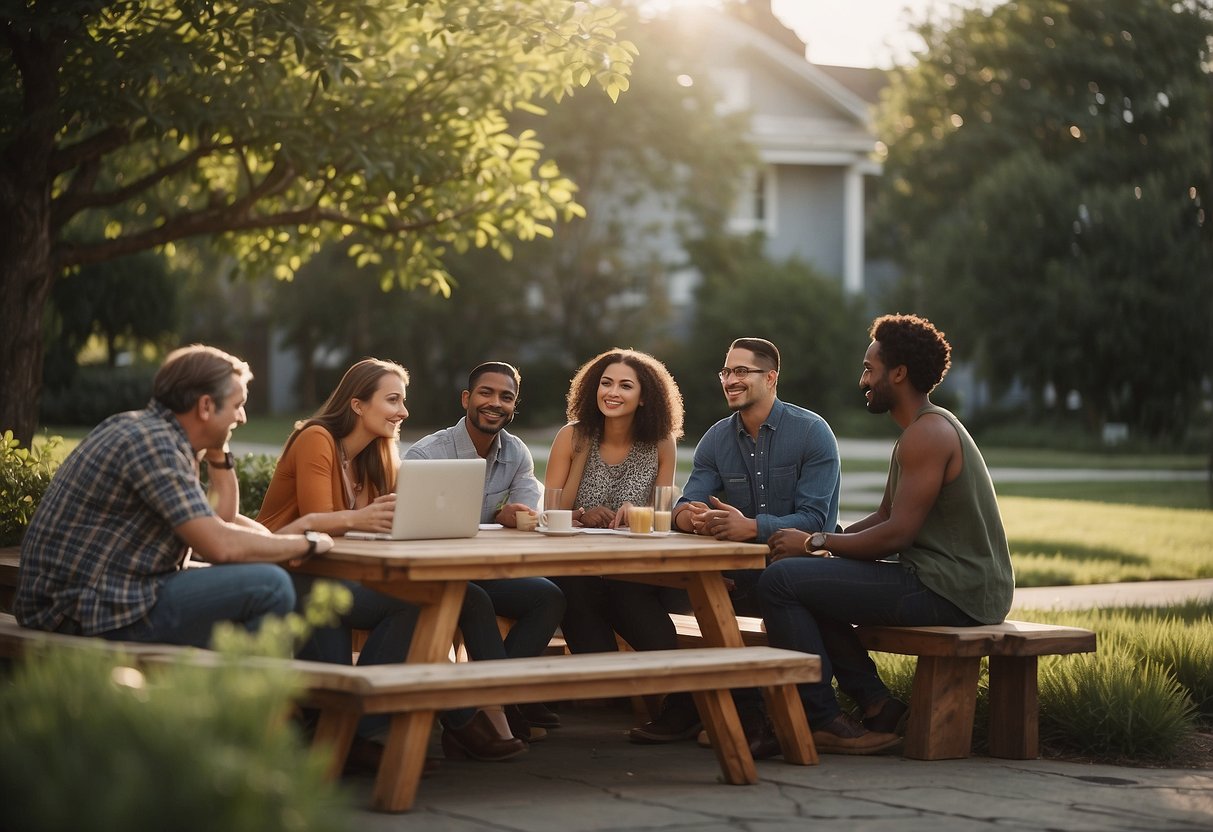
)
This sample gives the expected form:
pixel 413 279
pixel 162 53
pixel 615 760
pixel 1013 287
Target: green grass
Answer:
pixel 1060 542
pixel 1158 493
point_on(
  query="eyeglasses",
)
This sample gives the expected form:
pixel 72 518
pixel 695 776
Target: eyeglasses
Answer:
pixel 738 372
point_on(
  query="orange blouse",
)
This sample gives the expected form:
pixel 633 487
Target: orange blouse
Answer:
pixel 306 481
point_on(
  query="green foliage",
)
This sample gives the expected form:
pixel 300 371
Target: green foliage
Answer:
pixel 169 748
pixel 821 334
pixel 24 477
pixel 561 298
pixel 254 472
pixel 95 392
pixel 276 126
pixel 128 302
pixel 1046 184
pixel 1136 698
pixel 1058 542
pixel 185 745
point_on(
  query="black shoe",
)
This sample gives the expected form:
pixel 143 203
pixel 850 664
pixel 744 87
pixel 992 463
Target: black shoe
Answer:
pixel 521 727
pixel 539 714
pixel 890 719
pixel 676 722
pixel 759 735
pixel 844 735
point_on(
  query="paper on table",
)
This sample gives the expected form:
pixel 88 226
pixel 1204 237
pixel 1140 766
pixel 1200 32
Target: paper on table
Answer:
pixel 488 527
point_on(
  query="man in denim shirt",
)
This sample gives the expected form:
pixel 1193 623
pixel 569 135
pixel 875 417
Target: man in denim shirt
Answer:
pixel 769 466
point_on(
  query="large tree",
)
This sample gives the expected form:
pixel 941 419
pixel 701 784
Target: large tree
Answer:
pixel 1047 185
pixel 277 124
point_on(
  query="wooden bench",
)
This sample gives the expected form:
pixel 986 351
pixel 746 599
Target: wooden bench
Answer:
pixel 410 692
pixel 944 695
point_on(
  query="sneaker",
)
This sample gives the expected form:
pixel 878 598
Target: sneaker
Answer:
pixel 844 735
pixel 890 719
pixel 677 721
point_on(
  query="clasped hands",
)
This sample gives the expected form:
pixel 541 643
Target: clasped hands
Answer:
pixel 721 521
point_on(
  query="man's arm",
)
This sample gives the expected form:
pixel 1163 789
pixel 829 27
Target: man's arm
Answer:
pixel 704 482
pixel 925 452
pixel 817 480
pixel 223 486
pixel 218 541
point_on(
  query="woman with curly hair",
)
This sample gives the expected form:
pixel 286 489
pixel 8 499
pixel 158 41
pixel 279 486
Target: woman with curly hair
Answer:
pixel 625 416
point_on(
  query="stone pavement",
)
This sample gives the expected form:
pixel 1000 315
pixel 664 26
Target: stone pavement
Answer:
pixel 586 776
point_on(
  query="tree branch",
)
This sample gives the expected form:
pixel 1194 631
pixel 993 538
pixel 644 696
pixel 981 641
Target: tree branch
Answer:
pixel 86 150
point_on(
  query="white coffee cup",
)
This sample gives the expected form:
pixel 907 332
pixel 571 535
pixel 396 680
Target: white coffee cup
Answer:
pixel 556 520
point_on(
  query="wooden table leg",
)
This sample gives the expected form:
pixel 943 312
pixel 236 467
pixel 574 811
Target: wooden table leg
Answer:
pixel 336 731
pixel 403 762
pixel 409 736
pixel 791 726
pixel 718 626
pixel 720 719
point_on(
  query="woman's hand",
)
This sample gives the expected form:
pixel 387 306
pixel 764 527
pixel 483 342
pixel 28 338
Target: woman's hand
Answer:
pixel 598 517
pixel 620 520
pixel 377 515
pixel 788 543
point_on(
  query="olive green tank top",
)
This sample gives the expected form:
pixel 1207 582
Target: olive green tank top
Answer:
pixel 961 550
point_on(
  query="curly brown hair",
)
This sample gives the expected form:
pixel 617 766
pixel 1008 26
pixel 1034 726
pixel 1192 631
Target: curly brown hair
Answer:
pixel 661 415
pixel 916 343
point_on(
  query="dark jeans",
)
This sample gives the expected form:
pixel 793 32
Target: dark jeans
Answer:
pixel 598 608
pixel 536 605
pixel 190 602
pixel 809 604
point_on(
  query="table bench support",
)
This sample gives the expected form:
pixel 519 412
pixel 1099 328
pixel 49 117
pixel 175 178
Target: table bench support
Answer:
pixel 1014 708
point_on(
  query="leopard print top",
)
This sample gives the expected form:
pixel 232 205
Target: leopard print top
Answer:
pixel 613 485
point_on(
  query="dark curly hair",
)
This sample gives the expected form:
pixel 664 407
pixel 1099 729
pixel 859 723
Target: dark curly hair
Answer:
pixel 661 415
pixel 916 343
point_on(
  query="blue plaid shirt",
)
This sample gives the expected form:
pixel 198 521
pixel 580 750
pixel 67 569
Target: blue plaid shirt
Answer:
pixel 789 479
pixel 103 533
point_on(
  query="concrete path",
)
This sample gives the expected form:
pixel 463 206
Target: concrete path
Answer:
pixel 587 776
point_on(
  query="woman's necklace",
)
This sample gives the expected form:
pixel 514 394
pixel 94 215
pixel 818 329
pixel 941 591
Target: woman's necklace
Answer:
pixel 351 491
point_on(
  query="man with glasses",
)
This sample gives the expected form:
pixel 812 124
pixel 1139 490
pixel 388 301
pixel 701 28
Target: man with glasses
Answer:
pixel 769 466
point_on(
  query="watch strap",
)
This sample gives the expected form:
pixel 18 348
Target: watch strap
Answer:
pixel 229 462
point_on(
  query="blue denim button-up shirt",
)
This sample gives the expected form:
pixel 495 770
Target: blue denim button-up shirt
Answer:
pixel 509 474
pixel 789 479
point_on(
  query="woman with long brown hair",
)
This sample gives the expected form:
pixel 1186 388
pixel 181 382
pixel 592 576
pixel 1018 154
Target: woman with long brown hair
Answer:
pixel 338 472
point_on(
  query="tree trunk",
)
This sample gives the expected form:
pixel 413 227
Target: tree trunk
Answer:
pixel 25 281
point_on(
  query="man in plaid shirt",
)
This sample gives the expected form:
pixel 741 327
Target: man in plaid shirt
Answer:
pixel 106 550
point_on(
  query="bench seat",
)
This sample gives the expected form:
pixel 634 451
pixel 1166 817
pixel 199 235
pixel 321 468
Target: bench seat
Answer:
pixel 412 693
pixel 944 694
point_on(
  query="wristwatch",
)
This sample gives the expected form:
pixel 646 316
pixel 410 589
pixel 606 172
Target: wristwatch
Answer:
pixel 229 462
pixel 313 540
pixel 817 540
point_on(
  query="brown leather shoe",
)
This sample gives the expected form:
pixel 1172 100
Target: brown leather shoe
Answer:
pixel 523 728
pixel 479 740
pixel 890 719
pixel 843 735
pixel 540 714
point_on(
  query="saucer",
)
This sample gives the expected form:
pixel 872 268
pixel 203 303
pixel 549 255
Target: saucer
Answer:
pixel 557 532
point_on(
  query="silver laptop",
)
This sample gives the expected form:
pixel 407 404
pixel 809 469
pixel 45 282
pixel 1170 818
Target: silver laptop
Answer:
pixel 437 498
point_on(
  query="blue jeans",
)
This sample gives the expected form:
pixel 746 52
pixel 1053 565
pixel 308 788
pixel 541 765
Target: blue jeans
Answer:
pixel 536 605
pixel 189 603
pixel 809 604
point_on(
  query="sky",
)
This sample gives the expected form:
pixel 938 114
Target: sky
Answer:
pixel 851 32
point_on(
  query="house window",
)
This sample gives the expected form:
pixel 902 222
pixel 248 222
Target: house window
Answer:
pixel 755 209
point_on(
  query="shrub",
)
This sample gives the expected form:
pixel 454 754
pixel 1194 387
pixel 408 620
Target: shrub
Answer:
pixel 254 473
pixel 89 742
pixel 96 392
pixel 24 477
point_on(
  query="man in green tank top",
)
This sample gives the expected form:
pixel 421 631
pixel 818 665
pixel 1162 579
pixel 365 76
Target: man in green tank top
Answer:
pixel 933 553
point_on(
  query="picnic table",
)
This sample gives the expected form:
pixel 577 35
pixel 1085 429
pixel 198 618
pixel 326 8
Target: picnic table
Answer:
pixel 433 574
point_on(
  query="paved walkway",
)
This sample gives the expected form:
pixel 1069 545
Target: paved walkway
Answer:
pixel 587 776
